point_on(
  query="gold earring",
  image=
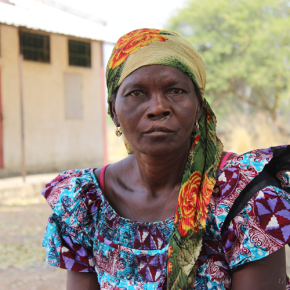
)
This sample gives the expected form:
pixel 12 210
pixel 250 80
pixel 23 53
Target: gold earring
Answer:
pixel 118 131
pixel 195 127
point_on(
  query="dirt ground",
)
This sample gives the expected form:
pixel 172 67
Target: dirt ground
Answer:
pixel 22 258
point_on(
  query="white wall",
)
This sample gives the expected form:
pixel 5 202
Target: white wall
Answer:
pixel 52 142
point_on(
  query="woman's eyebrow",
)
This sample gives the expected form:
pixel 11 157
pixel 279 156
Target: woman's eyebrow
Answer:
pixel 176 83
pixel 132 86
pixel 139 85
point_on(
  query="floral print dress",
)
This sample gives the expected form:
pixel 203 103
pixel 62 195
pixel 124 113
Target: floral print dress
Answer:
pixel 85 234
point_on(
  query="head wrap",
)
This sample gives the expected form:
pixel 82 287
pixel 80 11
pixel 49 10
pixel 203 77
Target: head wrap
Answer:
pixel 152 46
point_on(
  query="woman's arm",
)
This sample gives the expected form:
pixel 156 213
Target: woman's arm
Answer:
pixel 82 281
pixel 268 273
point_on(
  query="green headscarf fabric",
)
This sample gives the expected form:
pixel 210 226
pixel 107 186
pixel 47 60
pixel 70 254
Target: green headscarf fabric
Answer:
pixel 152 46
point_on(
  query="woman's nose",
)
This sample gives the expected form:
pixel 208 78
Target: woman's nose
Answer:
pixel 158 108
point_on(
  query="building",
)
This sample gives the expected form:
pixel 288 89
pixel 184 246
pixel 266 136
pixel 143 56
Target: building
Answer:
pixel 62 84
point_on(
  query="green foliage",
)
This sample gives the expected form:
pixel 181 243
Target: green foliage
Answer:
pixel 245 45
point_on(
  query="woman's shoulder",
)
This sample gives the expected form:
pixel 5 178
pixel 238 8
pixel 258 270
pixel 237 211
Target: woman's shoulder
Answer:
pixel 257 158
pixel 75 197
pixel 252 201
pixel 71 189
pixel 264 167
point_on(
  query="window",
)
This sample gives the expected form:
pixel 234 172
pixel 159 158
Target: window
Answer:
pixel 34 46
pixel 79 53
pixel 73 96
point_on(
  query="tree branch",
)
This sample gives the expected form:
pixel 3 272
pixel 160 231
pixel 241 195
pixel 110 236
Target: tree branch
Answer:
pixel 246 100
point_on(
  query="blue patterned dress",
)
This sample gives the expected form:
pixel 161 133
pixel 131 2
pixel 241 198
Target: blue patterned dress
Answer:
pixel 85 234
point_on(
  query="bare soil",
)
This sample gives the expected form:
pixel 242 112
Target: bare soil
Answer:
pixel 22 258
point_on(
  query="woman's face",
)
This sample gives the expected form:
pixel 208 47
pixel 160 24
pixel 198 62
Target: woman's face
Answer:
pixel 156 107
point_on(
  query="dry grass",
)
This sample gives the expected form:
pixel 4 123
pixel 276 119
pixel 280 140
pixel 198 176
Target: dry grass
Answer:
pixel 243 136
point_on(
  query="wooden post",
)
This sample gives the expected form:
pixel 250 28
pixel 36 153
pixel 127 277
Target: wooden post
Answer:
pixel 1 128
pixel 104 109
pixel 20 63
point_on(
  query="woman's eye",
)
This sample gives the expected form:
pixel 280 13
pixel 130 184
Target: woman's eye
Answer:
pixel 136 94
pixel 176 91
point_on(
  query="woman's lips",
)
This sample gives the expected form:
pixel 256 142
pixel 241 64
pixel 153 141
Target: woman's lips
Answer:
pixel 159 131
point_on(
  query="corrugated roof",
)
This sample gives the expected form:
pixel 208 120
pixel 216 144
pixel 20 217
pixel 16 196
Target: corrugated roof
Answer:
pixel 36 15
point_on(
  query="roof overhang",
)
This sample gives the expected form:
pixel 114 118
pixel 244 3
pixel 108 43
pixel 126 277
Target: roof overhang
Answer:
pixel 38 16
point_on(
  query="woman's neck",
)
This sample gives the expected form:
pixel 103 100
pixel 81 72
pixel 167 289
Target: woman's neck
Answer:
pixel 158 173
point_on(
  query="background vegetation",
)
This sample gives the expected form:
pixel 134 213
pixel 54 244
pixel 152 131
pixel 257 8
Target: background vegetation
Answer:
pixel 245 45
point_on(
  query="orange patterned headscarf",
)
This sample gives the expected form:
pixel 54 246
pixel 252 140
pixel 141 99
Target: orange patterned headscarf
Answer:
pixel 152 46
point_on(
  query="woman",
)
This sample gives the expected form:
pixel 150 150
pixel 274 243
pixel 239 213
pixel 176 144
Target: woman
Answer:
pixel 118 227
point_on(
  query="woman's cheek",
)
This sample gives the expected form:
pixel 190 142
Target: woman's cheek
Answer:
pixel 130 122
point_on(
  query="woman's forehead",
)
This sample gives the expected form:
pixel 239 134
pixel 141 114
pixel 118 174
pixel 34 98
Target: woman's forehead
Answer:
pixel 156 72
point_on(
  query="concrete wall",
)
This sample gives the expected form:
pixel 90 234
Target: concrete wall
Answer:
pixel 52 142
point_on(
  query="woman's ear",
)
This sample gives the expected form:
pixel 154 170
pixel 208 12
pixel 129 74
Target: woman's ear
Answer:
pixel 112 111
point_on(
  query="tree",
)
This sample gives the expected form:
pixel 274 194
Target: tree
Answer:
pixel 245 45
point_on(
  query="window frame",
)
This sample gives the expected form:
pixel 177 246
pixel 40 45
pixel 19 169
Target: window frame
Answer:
pixel 88 56
pixel 46 37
